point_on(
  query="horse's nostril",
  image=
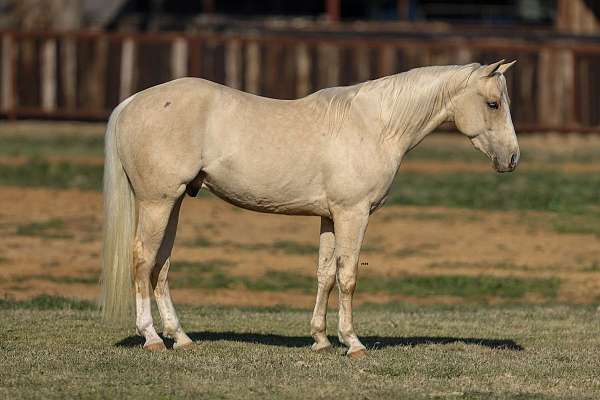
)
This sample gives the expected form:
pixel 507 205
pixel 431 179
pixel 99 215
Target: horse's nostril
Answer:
pixel 513 160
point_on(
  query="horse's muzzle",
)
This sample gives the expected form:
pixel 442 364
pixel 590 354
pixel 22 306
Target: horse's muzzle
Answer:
pixel 507 166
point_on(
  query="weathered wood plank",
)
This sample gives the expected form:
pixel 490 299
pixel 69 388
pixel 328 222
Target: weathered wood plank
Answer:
pixel 303 70
pixel 233 75
pixel 68 55
pixel 253 68
pixel 328 66
pixel 8 72
pixel 179 58
pixel 127 69
pixel 96 78
pixel 387 60
pixel 363 63
pixel 48 75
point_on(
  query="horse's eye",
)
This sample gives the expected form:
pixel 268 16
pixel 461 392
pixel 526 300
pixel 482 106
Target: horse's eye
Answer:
pixel 493 105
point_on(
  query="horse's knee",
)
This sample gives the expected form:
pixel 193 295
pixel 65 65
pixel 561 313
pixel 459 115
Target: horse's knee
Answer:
pixel 347 285
pixel 326 278
pixel 346 274
pixel 326 254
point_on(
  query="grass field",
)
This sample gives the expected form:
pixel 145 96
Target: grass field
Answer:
pixel 472 285
pixel 57 349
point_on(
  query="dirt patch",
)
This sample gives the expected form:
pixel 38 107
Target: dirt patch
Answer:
pixel 433 241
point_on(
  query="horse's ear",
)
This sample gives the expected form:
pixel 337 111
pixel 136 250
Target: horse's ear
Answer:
pixel 504 67
pixel 489 70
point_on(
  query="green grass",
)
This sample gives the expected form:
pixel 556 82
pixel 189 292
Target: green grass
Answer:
pixel 419 250
pixel 199 266
pixel 47 302
pixel 468 287
pixel 57 348
pixel 295 248
pixel 471 288
pixel 503 265
pixel 588 223
pixel 40 146
pixel 521 190
pixel 284 246
pixel 50 229
pixel 199 241
pixel 219 279
pixel 87 279
pixel 62 175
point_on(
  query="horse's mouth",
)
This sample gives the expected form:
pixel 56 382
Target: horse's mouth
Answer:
pixel 501 169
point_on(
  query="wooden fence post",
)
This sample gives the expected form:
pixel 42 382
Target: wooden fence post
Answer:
pixel 179 58
pixel 48 75
pixel 556 89
pixel 387 61
pixel 127 69
pixel 303 67
pixel 328 65
pixel 68 55
pixel 253 68
pixel 363 63
pixel 232 64
pixel 96 81
pixel 9 100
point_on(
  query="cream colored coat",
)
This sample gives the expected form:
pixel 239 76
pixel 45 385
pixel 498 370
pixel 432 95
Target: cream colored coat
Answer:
pixel 332 154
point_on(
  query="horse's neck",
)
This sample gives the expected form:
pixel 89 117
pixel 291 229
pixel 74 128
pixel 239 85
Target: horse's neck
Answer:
pixel 412 104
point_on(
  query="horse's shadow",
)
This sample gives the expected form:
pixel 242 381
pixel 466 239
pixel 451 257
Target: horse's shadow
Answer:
pixel 371 342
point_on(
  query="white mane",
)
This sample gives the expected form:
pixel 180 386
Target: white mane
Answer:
pixel 401 98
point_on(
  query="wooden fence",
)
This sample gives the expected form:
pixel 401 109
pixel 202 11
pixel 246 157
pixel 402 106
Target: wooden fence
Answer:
pixel 82 75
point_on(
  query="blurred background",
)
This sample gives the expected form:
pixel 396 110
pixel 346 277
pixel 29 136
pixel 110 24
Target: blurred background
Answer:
pixel 452 231
pixel 79 58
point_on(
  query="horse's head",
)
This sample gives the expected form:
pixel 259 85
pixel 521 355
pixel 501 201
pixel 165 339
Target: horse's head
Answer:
pixel 481 111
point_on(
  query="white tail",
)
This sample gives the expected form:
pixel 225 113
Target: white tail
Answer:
pixel 119 229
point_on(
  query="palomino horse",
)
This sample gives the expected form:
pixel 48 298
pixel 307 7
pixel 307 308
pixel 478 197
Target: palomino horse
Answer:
pixel 332 154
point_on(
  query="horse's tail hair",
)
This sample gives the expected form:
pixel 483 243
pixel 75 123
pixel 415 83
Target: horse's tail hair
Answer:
pixel 116 301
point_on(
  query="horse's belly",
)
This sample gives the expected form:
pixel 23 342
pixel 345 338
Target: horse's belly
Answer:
pixel 269 197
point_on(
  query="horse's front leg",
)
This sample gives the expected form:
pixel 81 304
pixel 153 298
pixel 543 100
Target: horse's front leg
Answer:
pixel 350 228
pixel 326 280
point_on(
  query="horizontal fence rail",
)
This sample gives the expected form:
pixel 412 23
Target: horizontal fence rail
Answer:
pixel 555 86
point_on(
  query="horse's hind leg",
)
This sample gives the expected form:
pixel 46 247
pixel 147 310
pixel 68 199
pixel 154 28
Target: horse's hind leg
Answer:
pixel 171 326
pixel 153 217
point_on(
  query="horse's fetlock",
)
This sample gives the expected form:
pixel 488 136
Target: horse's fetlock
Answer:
pixel 317 326
pixel 143 326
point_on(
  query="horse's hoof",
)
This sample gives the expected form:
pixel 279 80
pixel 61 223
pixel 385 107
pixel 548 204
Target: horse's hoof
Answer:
pixel 185 346
pixel 320 347
pixel 155 346
pixel 357 354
